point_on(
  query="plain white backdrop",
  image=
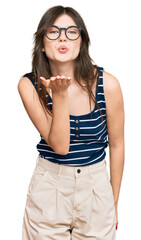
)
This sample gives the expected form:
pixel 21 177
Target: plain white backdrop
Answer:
pixel 114 29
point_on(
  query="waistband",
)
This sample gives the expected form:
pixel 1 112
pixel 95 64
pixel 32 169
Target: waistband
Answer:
pixel 77 171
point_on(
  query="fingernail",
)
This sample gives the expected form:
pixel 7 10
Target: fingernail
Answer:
pixel 116 227
pixel 41 79
pixel 52 78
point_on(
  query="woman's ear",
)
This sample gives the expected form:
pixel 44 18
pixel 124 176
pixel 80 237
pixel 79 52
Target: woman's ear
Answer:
pixel 43 50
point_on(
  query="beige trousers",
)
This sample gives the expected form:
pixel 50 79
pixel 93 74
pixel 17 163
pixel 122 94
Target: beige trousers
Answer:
pixel 65 202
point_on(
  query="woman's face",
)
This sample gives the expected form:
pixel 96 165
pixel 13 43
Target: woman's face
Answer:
pixel 51 47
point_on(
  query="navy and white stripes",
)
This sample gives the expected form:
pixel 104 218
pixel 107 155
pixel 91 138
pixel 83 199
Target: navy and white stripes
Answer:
pixel 88 137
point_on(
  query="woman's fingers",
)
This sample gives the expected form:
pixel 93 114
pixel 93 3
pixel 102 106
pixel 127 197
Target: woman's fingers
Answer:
pixel 52 78
pixel 43 79
pixel 56 78
pixel 45 82
pixel 57 83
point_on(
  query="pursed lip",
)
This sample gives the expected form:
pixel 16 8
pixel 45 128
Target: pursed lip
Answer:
pixel 63 47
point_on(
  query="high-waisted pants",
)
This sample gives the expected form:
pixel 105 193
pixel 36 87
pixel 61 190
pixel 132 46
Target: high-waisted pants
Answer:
pixel 69 203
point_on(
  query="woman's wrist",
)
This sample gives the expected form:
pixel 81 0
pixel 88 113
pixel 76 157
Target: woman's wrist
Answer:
pixel 60 94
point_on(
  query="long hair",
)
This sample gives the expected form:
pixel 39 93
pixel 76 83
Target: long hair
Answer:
pixel 84 67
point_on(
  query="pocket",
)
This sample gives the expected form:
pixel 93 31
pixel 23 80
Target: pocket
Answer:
pixel 111 194
pixel 102 184
pixel 108 181
pixel 36 178
pixel 103 201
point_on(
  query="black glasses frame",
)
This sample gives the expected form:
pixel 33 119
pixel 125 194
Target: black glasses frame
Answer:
pixel 60 29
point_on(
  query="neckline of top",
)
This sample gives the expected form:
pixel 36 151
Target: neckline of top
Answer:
pixel 87 114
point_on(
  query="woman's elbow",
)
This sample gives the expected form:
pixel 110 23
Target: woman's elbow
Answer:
pixel 62 151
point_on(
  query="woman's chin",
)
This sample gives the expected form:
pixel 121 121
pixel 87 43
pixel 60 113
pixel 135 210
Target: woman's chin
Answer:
pixel 63 59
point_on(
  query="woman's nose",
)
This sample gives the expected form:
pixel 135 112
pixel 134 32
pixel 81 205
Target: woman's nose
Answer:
pixel 62 35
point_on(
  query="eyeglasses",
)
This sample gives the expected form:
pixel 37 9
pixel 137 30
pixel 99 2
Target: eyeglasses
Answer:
pixel 72 32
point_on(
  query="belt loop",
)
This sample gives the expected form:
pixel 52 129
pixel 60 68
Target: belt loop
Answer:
pixel 90 172
pixel 59 171
pixel 37 160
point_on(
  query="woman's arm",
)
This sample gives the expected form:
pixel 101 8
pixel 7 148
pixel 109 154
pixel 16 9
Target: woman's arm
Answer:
pixel 59 134
pixel 54 129
pixel 115 125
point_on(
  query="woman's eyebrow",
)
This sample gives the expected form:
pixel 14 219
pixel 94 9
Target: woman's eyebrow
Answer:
pixel 63 27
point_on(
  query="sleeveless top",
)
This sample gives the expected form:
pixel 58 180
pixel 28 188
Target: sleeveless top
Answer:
pixel 88 137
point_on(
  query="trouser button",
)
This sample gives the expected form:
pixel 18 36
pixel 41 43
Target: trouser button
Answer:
pixel 78 170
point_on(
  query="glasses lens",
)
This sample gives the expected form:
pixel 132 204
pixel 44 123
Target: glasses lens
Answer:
pixel 52 33
pixel 73 33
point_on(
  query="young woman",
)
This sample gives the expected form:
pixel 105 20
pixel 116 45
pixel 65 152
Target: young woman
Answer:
pixel 75 105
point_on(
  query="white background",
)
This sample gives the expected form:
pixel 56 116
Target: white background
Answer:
pixel 114 29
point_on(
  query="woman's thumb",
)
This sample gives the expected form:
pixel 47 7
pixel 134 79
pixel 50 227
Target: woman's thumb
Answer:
pixel 45 82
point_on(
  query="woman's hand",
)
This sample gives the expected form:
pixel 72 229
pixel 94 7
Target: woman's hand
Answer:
pixel 57 84
pixel 116 216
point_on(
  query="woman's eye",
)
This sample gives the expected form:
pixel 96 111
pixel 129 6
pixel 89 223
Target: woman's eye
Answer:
pixel 72 32
pixel 53 32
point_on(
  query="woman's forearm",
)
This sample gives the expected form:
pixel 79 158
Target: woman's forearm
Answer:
pixel 117 156
pixel 59 135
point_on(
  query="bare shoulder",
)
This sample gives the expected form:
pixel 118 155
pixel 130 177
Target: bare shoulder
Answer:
pixel 114 109
pixel 113 94
pixel 110 83
pixel 25 84
pixel 112 88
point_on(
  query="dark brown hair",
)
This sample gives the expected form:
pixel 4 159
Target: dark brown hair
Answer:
pixel 84 69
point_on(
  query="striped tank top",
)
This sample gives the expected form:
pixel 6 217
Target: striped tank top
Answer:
pixel 88 137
